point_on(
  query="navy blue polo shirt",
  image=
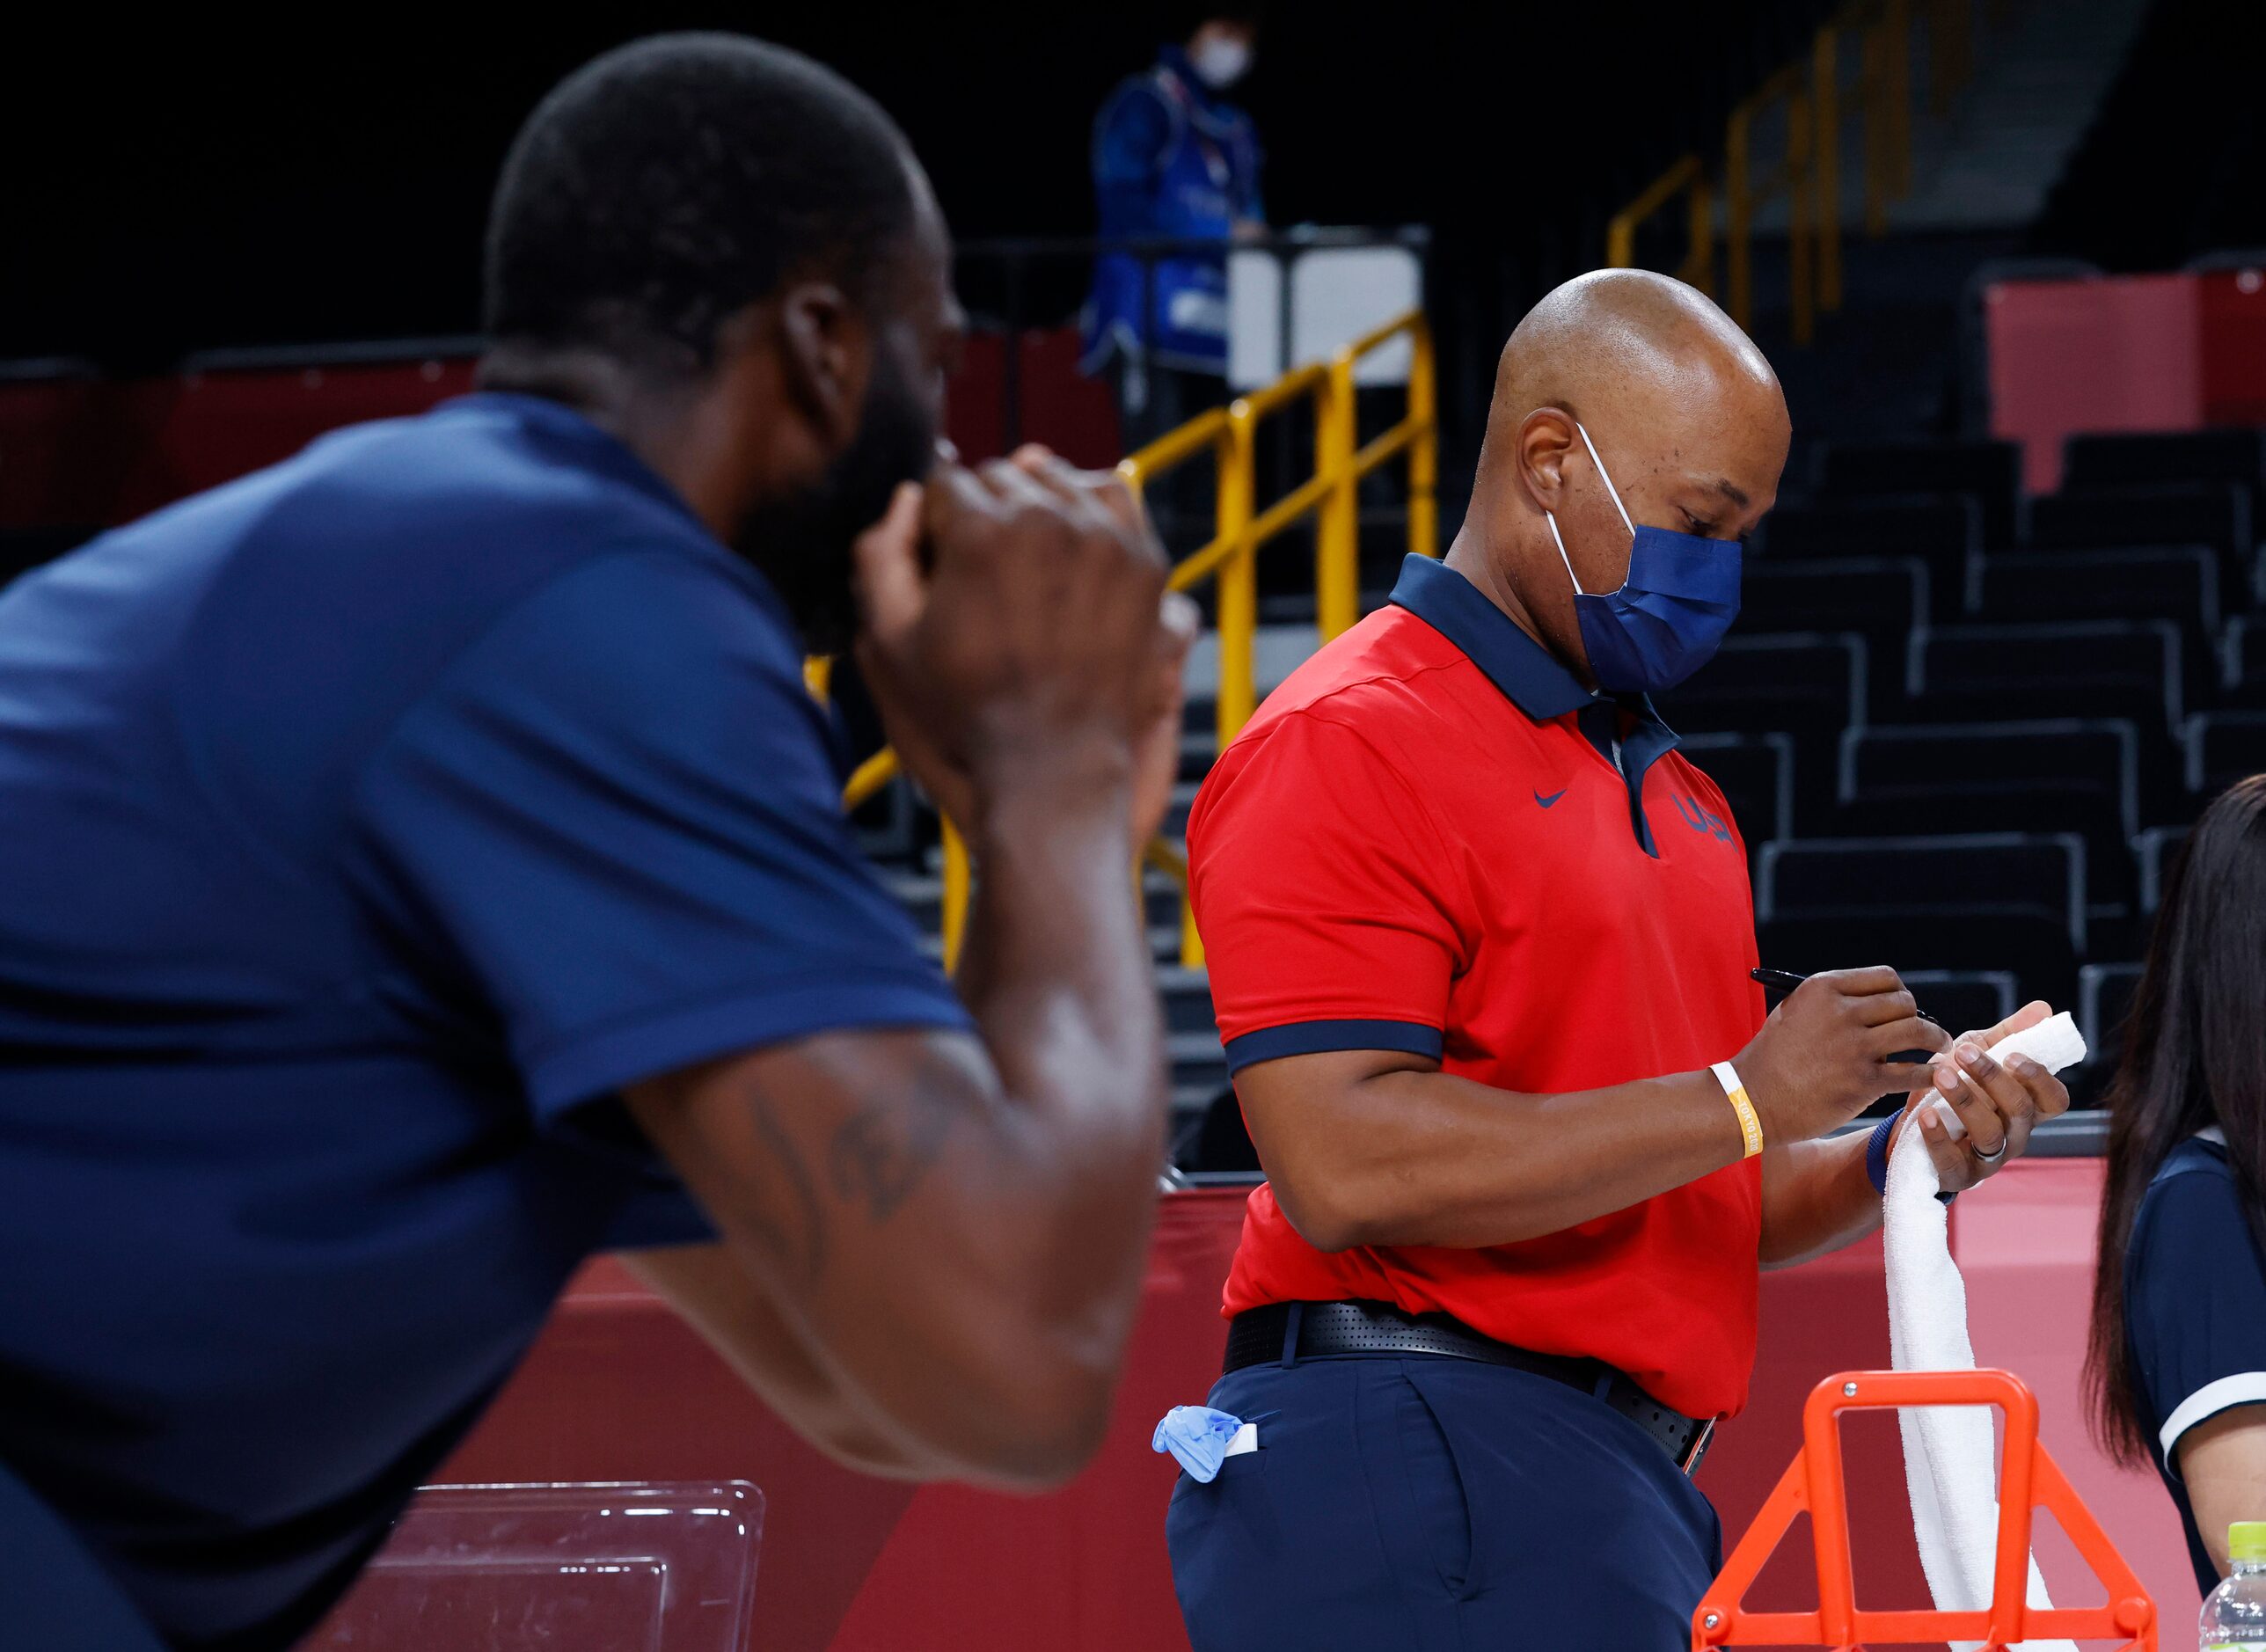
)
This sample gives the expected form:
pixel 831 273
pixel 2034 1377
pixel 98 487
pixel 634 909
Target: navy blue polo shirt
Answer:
pixel 366 825
pixel 2195 1311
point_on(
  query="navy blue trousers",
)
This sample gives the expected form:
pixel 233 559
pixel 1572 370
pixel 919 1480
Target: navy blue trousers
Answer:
pixel 1423 1504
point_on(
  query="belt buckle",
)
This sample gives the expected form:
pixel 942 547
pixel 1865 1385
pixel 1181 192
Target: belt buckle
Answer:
pixel 1696 1452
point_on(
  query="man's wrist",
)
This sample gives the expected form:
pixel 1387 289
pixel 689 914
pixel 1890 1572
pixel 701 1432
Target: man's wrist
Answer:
pixel 1743 1108
pixel 1051 790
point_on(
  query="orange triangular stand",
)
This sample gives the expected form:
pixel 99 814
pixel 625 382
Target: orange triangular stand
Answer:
pixel 1812 1483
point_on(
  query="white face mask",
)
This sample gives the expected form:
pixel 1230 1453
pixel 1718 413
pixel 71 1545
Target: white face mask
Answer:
pixel 1220 61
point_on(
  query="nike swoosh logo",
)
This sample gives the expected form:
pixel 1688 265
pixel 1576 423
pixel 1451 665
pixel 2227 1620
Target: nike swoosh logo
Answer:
pixel 1552 797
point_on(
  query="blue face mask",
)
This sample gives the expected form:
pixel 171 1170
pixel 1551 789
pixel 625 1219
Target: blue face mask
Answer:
pixel 1671 613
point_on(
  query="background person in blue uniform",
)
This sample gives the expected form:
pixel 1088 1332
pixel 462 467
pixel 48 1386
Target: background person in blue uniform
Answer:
pixel 396 846
pixel 1172 158
pixel 2178 1359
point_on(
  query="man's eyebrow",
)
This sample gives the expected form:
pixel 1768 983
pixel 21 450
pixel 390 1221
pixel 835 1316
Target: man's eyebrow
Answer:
pixel 1731 491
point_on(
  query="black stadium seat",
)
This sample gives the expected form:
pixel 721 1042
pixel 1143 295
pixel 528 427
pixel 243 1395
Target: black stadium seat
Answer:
pixel 1975 901
pixel 2243 663
pixel 1808 686
pixel 1883 599
pixel 2177 583
pixel 1961 1001
pixel 2081 668
pixel 2153 851
pixel 1989 472
pixel 1755 773
pixel 1965 1000
pixel 2149 459
pixel 2216 515
pixel 2224 747
pixel 2062 776
pixel 2104 999
pixel 1945 533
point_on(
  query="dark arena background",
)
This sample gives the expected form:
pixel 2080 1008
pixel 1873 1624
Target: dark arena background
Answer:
pixel 2002 639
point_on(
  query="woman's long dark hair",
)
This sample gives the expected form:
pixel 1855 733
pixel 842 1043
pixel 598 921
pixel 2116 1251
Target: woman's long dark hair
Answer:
pixel 2195 1055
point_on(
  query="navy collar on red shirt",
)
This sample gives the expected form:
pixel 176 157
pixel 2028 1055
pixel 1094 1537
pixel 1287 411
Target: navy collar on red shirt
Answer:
pixel 1529 676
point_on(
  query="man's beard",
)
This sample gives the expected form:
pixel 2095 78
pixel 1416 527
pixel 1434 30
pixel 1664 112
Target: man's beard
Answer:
pixel 803 543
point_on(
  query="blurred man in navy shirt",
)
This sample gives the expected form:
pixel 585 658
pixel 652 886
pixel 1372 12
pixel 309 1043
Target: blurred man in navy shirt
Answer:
pixel 1172 160
pixel 421 866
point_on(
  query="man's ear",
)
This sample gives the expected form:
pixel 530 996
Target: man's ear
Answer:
pixel 826 354
pixel 1546 436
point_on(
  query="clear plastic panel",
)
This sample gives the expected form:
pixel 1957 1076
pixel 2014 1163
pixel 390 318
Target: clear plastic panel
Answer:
pixel 610 1567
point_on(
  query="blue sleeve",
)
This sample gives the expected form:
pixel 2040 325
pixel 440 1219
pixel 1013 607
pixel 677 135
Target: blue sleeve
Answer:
pixel 1130 135
pixel 617 820
pixel 2195 1304
pixel 1251 163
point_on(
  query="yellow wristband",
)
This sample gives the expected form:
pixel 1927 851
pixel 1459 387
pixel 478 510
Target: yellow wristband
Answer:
pixel 1750 1126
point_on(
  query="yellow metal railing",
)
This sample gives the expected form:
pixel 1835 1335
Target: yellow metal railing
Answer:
pixel 1239 528
pixel 1689 179
pixel 1808 172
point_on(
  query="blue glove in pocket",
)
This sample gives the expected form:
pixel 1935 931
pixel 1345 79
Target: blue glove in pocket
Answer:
pixel 1197 1436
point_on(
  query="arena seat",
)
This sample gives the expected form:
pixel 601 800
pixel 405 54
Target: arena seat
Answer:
pixel 2179 583
pixel 513 1567
pixel 2222 748
pixel 2104 998
pixel 1755 773
pixel 1944 532
pixel 1987 471
pixel 1961 1001
pixel 2153 850
pixel 1810 686
pixel 2243 663
pixel 2213 513
pixel 2149 459
pixel 1882 599
pixel 2008 900
pixel 1965 1000
pixel 2128 670
pixel 2062 776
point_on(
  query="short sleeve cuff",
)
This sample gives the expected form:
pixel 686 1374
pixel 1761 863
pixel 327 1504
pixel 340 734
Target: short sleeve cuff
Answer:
pixel 2244 1388
pixel 569 1072
pixel 1309 1038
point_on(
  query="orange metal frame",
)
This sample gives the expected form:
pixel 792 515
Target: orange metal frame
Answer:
pixel 1813 1484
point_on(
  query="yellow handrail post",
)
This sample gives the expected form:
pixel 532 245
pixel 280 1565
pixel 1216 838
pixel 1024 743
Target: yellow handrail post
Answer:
pixel 1825 73
pixel 1699 257
pixel 1798 190
pixel 1873 88
pixel 1896 48
pixel 1424 445
pixel 1236 619
pixel 1949 54
pixel 1738 220
pixel 956 884
pixel 1337 527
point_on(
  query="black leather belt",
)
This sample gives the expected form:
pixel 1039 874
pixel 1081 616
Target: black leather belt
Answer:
pixel 1255 1338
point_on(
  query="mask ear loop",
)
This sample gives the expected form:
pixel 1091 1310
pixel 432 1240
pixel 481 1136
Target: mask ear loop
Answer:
pixel 1611 493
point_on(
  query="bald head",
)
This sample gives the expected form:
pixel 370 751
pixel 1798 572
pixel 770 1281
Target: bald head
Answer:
pixel 1685 417
pixel 1629 339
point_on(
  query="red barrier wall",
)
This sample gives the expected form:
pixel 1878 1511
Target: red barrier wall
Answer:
pixel 79 450
pixel 2106 355
pixel 617 1389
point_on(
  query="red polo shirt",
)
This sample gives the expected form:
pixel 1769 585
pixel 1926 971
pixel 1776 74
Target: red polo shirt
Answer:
pixel 1433 839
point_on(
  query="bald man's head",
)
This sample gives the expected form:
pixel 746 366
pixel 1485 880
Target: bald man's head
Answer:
pixel 1685 416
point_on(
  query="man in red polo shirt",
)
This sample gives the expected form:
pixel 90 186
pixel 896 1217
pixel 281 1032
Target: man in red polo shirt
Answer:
pixel 1480 941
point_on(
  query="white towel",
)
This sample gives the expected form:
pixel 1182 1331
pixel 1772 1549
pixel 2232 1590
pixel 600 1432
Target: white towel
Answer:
pixel 1950 1457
